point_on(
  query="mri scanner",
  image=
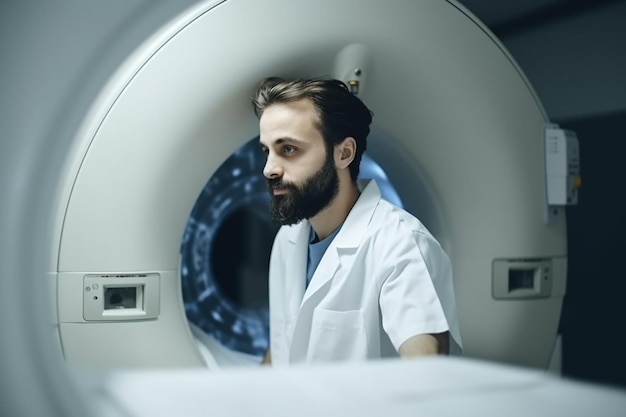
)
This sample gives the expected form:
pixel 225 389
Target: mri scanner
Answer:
pixel 457 129
pixel 459 133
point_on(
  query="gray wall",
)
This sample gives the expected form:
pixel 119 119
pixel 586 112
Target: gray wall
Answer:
pixel 576 64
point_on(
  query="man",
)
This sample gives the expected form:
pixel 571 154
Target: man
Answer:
pixel 352 277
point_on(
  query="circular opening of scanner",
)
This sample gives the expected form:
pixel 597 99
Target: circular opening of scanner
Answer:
pixel 226 248
pixel 239 256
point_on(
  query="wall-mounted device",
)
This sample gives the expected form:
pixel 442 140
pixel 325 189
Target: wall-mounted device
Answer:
pixel 120 297
pixel 562 166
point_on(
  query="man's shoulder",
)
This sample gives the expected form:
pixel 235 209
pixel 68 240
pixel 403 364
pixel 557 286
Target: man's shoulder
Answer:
pixel 392 223
pixel 388 214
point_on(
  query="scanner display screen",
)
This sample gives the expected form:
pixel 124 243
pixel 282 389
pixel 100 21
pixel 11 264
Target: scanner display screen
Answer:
pixel 120 297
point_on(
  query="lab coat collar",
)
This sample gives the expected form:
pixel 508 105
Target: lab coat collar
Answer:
pixel 360 216
pixel 354 226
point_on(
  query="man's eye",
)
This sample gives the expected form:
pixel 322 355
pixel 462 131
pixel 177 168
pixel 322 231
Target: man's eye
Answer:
pixel 287 150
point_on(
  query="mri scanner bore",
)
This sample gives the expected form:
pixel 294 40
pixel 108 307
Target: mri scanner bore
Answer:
pixel 226 247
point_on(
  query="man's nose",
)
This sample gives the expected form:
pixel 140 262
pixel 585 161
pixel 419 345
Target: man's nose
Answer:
pixel 272 168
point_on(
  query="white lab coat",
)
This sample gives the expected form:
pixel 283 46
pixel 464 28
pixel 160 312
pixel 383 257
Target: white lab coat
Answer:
pixel 383 279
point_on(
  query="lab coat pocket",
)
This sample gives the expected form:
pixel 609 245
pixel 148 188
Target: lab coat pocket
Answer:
pixel 337 335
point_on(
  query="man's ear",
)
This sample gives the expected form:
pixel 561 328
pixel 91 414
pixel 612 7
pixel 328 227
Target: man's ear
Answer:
pixel 345 152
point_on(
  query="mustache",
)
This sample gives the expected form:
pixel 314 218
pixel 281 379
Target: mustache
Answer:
pixel 278 183
pixel 274 183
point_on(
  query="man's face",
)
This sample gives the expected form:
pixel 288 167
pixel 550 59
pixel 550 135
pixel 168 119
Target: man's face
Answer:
pixel 302 177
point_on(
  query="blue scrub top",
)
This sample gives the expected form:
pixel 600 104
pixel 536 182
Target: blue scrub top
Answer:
pixel 317 250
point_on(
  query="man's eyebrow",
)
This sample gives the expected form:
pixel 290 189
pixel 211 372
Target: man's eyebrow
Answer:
pixel 285 139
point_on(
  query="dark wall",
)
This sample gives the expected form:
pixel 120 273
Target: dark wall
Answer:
pixel 593 322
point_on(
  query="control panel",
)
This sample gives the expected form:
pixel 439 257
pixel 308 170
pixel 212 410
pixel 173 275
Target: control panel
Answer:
pixel 115 297
pixel 522 278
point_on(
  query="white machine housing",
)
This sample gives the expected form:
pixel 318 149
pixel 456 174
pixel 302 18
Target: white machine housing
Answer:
pixel 457 127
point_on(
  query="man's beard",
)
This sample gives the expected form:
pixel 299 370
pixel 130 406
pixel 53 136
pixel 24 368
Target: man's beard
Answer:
pixel 306 200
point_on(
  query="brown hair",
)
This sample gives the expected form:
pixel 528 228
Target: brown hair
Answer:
pixel 340 113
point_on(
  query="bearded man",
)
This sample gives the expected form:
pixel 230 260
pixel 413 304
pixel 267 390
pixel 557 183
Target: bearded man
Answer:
pixel 352 277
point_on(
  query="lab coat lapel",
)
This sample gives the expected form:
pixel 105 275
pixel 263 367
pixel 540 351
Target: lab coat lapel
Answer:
pixel 312 296
pixel 325 270
pixel 296 267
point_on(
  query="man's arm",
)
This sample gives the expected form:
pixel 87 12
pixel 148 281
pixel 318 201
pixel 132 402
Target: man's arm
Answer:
pixel 425 344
